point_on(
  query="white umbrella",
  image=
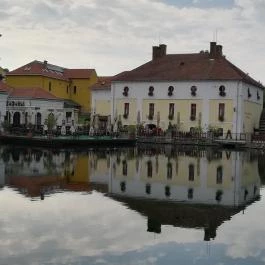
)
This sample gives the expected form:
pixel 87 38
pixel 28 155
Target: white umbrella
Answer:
pixel 96 123
pixel 109 124
pixel 63 130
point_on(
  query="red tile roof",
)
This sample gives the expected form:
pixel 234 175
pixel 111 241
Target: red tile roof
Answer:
pixel 184 67
pixel 36 93
pixel 49 70
pixel 78 73
pixel 4 88
pixel 104 82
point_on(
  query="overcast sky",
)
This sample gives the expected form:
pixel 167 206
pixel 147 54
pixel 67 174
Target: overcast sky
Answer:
pixel 117 35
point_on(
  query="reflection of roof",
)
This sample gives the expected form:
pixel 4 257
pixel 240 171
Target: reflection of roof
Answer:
pixel 208 217
pixel 182 67
pixel 36 93
pixel 52 71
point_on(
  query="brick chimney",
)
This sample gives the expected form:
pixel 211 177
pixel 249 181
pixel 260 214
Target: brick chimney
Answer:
pixel 159 51
pixel 215 50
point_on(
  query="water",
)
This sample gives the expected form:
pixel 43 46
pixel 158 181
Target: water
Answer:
pixel 131 206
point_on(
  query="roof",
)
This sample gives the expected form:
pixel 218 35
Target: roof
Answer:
pixel 68 103
pixel 4 88
pixel 49 70
pixel 78 73
pixel 35 92
pixel 183 67
pixel 104 82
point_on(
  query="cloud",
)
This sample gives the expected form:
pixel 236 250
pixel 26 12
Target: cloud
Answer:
pixel 97 34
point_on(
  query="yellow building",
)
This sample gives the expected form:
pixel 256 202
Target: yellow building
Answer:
pixel 72 84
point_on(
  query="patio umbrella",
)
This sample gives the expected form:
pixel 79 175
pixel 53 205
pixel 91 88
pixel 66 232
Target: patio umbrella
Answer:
pixel 91 127
pixel 109 124
pixel 138 118
pixel 96 123
pixel 158 119
pixel 63 130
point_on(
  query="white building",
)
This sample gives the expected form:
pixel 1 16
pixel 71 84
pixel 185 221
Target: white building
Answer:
pixel 202 90
pixel 22 107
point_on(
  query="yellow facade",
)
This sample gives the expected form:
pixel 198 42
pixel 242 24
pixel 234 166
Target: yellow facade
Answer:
pixel 182 112
pixel 251 116
pixel 228 114
pixel 78 90
pixel 81 170
pixel 132 118
pixel 103 107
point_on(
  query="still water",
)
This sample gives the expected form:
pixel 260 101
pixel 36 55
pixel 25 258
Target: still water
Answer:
pixel 131 206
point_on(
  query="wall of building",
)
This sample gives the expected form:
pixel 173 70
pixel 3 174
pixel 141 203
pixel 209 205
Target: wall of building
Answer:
pixel 207 91
pixel 83 91
pixel 101 101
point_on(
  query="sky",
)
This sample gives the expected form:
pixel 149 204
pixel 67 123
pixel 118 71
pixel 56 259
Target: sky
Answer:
pixel 118 35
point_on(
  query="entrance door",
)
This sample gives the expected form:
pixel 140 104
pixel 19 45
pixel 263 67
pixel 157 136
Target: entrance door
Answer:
pixel 16 119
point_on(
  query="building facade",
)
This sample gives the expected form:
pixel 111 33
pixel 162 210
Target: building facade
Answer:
pixel 201 90
pixel 71 84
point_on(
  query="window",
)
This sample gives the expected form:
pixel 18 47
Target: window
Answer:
pixel 151 111
pixel 169 170
pixel 222 91
pixel 125 91
pixel 67 89
pixel 151 91
pixel 221 112
pixel 124 168
pixel 149 169
pixel 50 86
pixel 171 111
pixel 68 117
pixel 193 112
pixel 126 110
pixel 167 191
pixel 74 89
pixel 123 186
pixel 170 90
pixel 191 172
pixel 193 90
pixel 219 175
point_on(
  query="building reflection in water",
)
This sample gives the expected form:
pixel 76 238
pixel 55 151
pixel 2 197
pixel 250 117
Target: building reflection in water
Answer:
pixel 184 188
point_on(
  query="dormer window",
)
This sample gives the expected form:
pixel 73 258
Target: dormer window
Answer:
pixel 151 91
pixel 249 94
pixel 170 90
pixel 193 90
pixel 125 91
pixel 222 91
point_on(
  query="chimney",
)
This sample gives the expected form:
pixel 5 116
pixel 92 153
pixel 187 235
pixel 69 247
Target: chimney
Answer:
pixel 212 49
pixel 45 63
pixel 219 50
pixel 159 51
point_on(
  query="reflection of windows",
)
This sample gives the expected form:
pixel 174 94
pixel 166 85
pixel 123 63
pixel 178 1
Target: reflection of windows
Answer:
pixel 123 186
pixel 219 175
pixel 151 111
pixel 148 189
pixel 169 170
pixel 167 191
pixel 190 193
pixel 191 172
pixel 193 112
pixel 124 168
pixel 149 169
pixel 126 110
pixel 221 112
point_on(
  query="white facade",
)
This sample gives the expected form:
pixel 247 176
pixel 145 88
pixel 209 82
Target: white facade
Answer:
pixel 36 111
pixel 236 92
